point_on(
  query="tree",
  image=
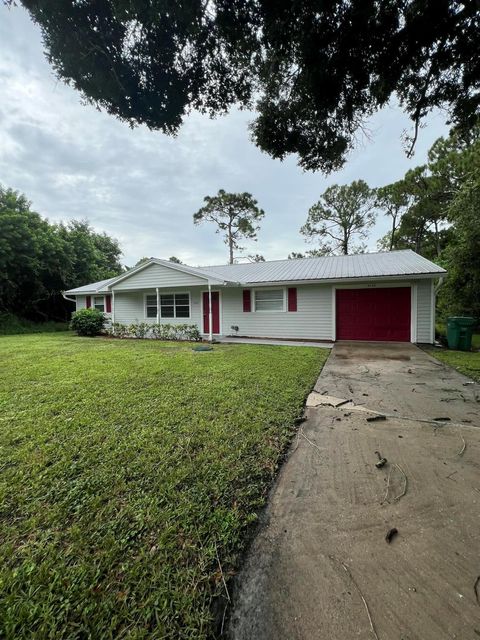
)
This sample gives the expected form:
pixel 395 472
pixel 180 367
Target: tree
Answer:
pixel 312 253
pixel 94 256
pixel 460 295
pixel 175 259
pixel 430 190
pixel 33 264
pixel 256 258
pixel 141 261
pixel 342 214
pixel 235 214
pixel 393 199
pixel 313 71
pixel 38 260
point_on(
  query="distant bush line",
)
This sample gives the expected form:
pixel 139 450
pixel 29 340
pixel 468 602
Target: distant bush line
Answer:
pixel 13 325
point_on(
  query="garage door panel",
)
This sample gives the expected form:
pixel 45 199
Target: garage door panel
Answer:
pixel 373 314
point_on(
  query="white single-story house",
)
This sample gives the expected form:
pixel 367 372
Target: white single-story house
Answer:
pixel 387 296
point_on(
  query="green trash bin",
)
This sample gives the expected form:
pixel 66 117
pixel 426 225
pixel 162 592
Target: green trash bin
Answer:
pixel 460 332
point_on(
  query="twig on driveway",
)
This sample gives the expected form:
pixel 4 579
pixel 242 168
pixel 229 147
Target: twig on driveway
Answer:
pixel 405 483
pixel 385 499
pixel 462 450
pixel 348 572
pixel 309 441
pixel 475 588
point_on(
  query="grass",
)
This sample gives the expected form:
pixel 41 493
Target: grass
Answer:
pixel 13 325
pixel 124 467
pixel 467 362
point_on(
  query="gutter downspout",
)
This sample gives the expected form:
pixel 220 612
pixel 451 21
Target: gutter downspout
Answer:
pixel 113 306
pixel 434 305
pixel 210 328
pixel 439 284
pixel 158 305
pixel 67 298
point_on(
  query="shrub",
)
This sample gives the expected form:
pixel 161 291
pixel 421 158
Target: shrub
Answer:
pixel 87 322
pixel 166 331
pixel 119 330
pixel 162 331
pixel 139 330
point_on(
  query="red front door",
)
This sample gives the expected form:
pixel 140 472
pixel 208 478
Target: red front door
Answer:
pixel 215 312
pixel 374 314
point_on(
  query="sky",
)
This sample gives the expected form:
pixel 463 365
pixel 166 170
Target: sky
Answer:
pixel 143 187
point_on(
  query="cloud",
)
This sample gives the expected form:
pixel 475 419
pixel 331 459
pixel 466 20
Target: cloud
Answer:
pixel 142 187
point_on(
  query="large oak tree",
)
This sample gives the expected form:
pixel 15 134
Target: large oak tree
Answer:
pixel 314 71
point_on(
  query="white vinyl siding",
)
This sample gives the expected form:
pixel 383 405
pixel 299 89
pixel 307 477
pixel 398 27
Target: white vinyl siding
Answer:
pixel 156 275
pixel 425 322
pixel 314 319
pixel 130 308
pixel 311 321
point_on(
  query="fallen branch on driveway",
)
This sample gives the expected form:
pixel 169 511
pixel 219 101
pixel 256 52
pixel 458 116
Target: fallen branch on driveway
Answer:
pixel 348 572
pixel 309 441
pixel 405 483
pixel 462 450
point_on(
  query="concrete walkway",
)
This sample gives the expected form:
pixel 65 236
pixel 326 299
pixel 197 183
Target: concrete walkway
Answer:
pixel 278 343
pixel 320 567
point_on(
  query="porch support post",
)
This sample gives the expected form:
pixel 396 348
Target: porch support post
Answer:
pixel 113 306
pixel 158 306
pixel 210 328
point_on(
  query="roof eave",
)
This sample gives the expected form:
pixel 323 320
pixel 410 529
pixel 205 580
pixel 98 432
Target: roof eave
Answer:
pixel 402 276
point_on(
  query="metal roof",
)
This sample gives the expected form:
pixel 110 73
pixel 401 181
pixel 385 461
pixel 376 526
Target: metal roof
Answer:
pixel 93 287
pixel 363 265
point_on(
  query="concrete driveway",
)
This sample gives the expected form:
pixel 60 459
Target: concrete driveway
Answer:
pixel 320 566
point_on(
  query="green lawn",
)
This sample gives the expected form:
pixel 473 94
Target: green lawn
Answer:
pixel 124 467
pixel 466 362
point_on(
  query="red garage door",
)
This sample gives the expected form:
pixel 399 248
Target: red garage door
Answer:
pixel 373 314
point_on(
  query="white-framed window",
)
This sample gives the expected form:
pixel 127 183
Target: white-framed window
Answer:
pixel 269 299
pixel 99 303
pixel 151 305
pixel 175 305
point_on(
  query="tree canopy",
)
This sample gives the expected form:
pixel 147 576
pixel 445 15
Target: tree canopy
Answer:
pixel 313 71
pixel 236 216
pixel 343 214
pixel 441 219
pixel 38 259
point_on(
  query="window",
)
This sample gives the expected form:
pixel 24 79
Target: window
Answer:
pixel 99 303
pixel 175 305
pixel 151 306
pixel 269 300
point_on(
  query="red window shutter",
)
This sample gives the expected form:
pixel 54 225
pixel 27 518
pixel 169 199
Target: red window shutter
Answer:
pixel 247 300
pixel 292 299
pixel 108 304
pixel 88 302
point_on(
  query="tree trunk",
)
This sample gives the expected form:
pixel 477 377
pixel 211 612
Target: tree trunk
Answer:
pixel 230 245
pixel 437 238
pixel 345 244
pixel 392 237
